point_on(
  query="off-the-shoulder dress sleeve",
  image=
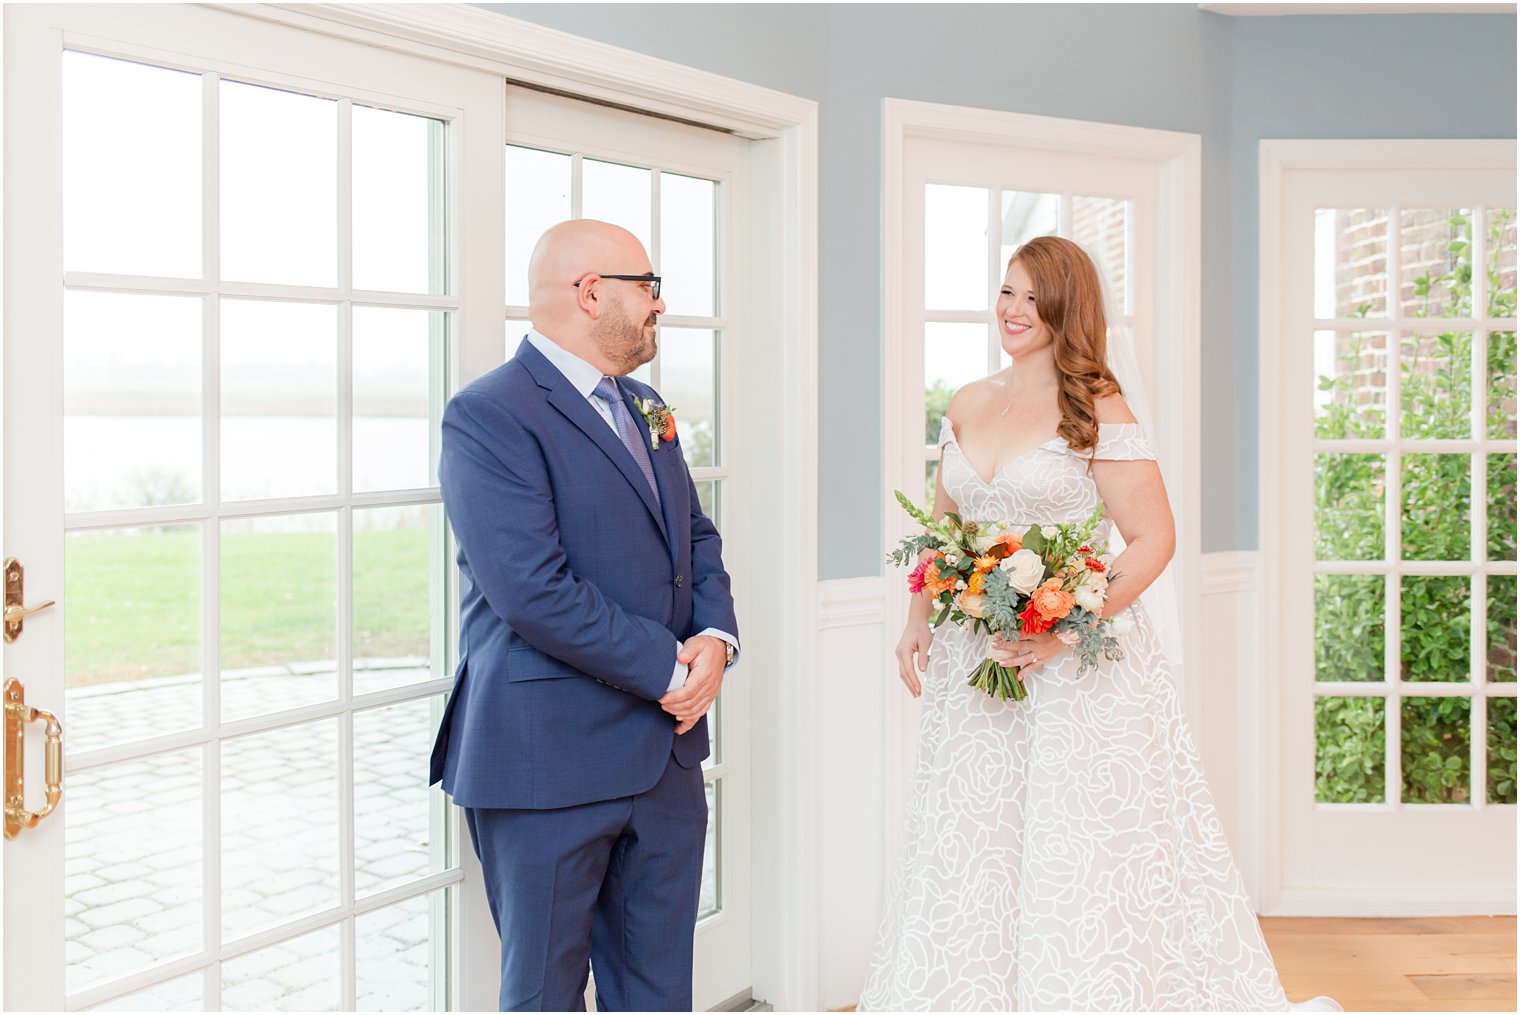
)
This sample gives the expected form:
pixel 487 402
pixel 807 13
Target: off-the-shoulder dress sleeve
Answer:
pixel 946 432
pixel 1119 442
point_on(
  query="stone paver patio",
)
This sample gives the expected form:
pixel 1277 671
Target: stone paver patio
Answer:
pixel 133 866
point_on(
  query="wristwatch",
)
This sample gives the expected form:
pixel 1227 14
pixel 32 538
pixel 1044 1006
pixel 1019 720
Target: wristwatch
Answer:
pixel 728 655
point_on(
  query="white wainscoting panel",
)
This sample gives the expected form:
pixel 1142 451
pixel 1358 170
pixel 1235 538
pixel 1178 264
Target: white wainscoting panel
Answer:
pixel 1229 623
pixel 853 681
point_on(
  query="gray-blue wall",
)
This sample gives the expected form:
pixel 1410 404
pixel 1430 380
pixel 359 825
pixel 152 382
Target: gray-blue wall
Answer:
pixel 1232 80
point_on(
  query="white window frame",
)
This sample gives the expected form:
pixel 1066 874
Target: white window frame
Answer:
pixel 1297 176
pixel 781 652
pixel 1176 157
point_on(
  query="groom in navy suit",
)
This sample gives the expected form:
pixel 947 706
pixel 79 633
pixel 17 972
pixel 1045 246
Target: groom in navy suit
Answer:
pixel 596 626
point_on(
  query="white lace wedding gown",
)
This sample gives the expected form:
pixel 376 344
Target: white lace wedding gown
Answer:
pixel 1062 852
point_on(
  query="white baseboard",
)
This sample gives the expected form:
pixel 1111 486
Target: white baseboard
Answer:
pixel 1422 900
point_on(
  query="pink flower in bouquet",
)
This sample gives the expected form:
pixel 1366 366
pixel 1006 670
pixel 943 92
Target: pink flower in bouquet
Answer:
pixel 916 577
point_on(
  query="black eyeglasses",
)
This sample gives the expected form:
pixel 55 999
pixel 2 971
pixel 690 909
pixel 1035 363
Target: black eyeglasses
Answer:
pixel 653 280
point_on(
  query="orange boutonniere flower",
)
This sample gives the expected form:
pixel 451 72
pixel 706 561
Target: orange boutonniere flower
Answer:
pixel 661 419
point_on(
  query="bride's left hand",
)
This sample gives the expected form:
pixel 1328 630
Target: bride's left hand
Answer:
pixel 1029 653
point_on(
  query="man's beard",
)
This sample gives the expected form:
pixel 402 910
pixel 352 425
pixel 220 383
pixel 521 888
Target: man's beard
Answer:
pixel 622 341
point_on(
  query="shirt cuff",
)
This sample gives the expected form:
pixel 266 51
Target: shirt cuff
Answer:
pixel 678 676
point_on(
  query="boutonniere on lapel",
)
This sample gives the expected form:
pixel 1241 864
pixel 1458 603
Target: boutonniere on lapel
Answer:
pixel 661 419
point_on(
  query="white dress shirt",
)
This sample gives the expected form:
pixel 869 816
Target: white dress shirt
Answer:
pixel 584 378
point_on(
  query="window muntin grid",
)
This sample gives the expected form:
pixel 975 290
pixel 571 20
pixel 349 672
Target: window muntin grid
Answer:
pixel 1366 262
pixel 207 735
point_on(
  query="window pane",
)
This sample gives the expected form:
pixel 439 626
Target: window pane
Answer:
pixel 1435 251
pixel 1501 385
pixel 279 829
pixel 132 634
pixel 1350 384
pixel 620 195
pixel 279 399
pixel 302 974
pixel 393 954
pixel 180 994
pixel 1501 506
pixel 1436 375
pixel 954 354
pixel 1348 627
pixel 1100 225
pixel 1437 499
pixel 394 837
pixel 931 472
pixel 517 330
pixel 131 168
pixel 1435 616
pixel 393 612
pixel 1025 216
pixel 1501 628
pixel 1501 262
pixel 1349 750
pixel 132 400
pixel 132 866
pixel 689 385
pixel 538 196
pixel 955 248
pixel 1437 750
pixel 1501 750
pixel 1350 262
pixel 392 378
pixel 399 236
pixel 279 186
pixel 688 244
pixel 1348 507
pixel 709 497
pixel 279 613
pixel 710 899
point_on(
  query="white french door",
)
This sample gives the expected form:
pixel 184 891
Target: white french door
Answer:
pixel 1389 520
pixel 964 188
pixel 681 191
pixel 235 302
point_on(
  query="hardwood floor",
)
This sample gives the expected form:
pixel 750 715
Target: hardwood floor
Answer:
pixel 1462 963
pixel 1457 963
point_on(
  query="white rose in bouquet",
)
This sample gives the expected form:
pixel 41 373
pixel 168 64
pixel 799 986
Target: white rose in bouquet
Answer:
pixel 1122 624
pixel 1090 594
pixel 1024 569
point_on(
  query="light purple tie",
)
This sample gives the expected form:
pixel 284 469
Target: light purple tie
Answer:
pixel 628 430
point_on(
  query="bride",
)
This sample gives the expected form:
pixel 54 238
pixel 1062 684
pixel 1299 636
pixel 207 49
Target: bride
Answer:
pixel 1061 852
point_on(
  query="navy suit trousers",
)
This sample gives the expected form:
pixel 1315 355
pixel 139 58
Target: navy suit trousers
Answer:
pixel 609 886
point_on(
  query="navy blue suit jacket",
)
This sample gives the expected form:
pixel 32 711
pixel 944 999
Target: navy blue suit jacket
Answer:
pixel 576 587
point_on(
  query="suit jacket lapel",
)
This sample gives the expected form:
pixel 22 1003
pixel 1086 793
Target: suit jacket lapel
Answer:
pixel 663 460
pixel 574 407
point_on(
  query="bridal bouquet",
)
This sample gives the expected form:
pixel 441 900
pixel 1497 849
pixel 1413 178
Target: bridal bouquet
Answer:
pixel 992 578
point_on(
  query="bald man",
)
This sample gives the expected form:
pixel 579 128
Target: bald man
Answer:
pixel 596 625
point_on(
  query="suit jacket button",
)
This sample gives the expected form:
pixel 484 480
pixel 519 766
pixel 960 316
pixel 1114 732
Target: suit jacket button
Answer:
pixel 678 581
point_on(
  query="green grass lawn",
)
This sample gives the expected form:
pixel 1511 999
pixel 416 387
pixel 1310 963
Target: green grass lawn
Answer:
pixel 133 600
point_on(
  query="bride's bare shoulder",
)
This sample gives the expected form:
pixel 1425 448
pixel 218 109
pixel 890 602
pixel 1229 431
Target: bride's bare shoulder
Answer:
pixel 972 397
pixel 1113 409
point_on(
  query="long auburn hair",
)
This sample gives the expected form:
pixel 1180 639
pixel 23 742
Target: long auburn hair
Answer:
pixel 1069 299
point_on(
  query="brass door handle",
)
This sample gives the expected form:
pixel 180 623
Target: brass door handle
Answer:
pixel 15 591
pixel 18 715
